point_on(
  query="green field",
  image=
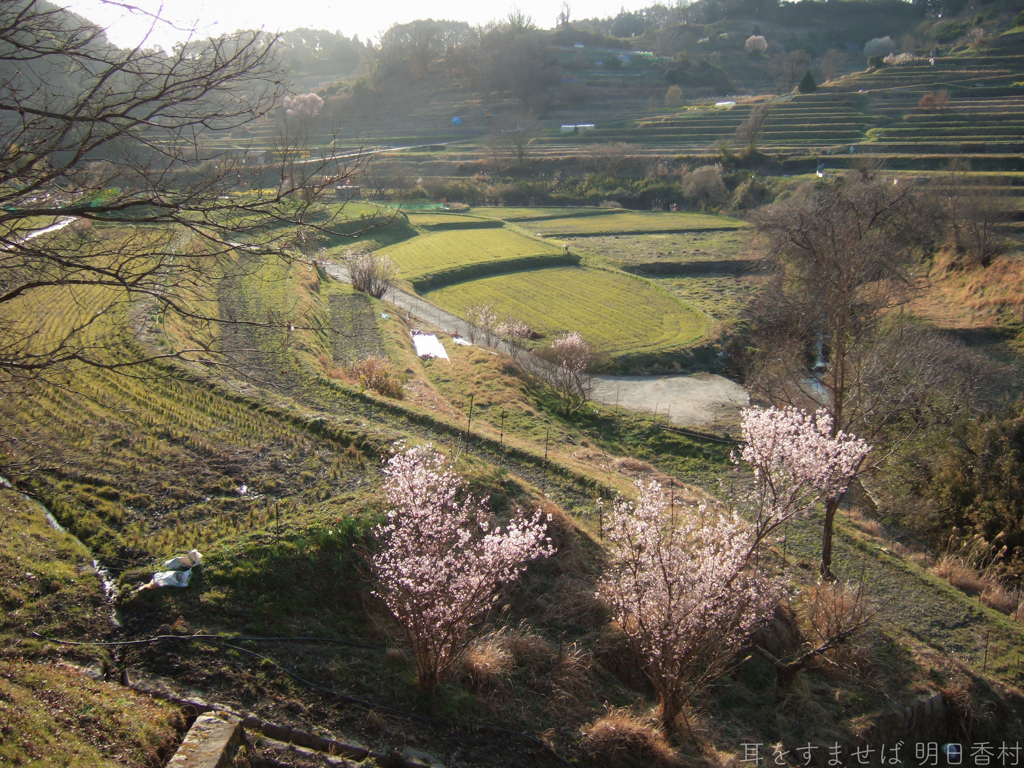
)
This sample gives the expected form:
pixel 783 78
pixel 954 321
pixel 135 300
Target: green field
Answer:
pixel 538 214
pixel 444 251
pixel 618 314
pixel 629 222
pixel 432 222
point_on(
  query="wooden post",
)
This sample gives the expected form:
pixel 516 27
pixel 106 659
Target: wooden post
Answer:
pixel 501 440
pixel 546 436
pixel 469 425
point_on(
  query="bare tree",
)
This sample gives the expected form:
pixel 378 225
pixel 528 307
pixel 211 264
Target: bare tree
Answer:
pixel 973 210
pixel 750 130
pixel 791 67
pixel 371 273
pixel 564 14
pixel 517 132
pixel 703 187
pixel 831 63
pixel 826 333
pixel 93 134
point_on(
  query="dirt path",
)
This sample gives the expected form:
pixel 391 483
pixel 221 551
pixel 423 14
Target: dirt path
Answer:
pixel 693 401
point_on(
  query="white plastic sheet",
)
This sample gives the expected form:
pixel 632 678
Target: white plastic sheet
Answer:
pixel 428 345
pixel 172 578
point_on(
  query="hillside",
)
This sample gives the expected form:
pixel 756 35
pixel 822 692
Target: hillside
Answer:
pixel 223 387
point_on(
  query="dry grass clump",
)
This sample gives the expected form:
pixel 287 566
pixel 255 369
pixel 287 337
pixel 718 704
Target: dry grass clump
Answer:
pixel 492 657
pixel 621 740
pixel 1000 598
pixel 486 661
pixel 377 374
pixel 976 567
pixel 960 574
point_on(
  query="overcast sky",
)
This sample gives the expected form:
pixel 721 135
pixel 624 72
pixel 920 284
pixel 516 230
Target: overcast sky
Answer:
pixel 367 19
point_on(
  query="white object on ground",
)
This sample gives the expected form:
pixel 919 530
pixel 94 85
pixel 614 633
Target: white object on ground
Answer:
pixel 461 342
pixel 428 345
pixel 170 579
pixel 193 558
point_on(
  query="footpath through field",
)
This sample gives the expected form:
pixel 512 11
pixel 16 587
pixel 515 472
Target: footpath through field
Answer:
pixel 694 401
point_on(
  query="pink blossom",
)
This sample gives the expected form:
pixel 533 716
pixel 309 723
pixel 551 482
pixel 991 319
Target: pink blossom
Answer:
pixel 797 462
pixel 441 564
pixel 683 589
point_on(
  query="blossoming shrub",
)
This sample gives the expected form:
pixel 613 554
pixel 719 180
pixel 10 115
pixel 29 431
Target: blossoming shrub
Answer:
pixel 682 587
pixel 441 563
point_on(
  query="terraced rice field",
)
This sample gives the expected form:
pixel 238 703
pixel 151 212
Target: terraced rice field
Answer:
pixel 618 314
pixel 629 223
pixel 450 251
pixel 434 222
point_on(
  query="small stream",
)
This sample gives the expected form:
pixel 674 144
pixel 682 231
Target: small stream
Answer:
pixel 107 581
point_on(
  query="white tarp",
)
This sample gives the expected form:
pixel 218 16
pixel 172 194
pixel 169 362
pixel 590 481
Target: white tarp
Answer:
pixel 461 341
pixel 428 345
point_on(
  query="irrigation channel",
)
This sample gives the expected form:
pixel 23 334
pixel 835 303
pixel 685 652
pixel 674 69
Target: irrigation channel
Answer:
pixel 106 580
pixel 684 400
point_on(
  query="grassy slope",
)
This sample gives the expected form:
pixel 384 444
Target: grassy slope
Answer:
pixel 52 715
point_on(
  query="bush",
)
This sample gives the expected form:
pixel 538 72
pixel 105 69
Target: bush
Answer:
pixel 704 187
pixel 877 61
pixel 377 374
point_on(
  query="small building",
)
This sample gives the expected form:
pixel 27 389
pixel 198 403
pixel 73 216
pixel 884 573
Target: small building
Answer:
pixel 577 127
pixel 346 192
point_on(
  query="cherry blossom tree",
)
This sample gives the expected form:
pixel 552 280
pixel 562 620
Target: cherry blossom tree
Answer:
pixel 482 317
pixel 682 587
pixel 441 562
pixel 567 372
pixel 371 273
pixel 797 463
pixel 514 332
pixel 756 44
pixel 686 586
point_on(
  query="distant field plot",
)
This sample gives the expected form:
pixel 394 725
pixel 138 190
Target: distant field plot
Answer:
pixel 646 252
pixel 630 222
pixel 441 221
pixel 451 253
pixel 723 297
pixel 540 214
pixel 618 314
